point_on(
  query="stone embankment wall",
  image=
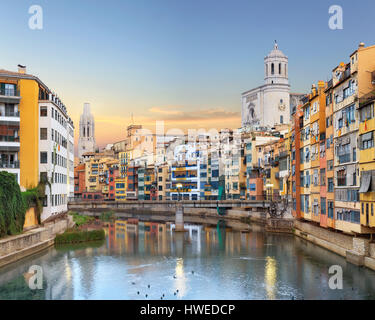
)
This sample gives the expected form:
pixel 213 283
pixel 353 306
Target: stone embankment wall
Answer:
pixel 17 247
pixel 356 250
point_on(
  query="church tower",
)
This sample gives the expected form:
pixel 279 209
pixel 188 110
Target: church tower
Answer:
pixel 276 67
pixel 268 104
pixel 86 142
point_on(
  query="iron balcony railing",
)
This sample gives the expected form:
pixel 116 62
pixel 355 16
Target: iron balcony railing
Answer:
pixel 9 164
pixel 9 92
pixel 9 139
pixel 10 114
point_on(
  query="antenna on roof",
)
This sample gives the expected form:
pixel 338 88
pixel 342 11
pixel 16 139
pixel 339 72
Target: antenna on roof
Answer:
pixel 132 118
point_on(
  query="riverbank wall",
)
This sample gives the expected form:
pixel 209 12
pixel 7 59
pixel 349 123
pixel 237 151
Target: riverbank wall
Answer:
pixel 358 251
pixel 14 248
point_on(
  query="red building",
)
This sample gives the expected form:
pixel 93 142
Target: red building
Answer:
pixel 132 187
pixel 113 173
pixel 79 180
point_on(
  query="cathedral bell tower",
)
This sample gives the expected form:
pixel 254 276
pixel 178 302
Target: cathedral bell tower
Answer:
pixel 276 67
pixel 86 142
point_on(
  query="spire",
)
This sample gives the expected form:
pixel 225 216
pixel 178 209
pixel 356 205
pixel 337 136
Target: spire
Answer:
pixel 86 109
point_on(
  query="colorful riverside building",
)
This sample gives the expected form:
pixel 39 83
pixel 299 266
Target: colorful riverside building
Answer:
pixel 336 148
pixel 112 174
pixel 330 153
pixel 318 159
pixel 79 180
pixel 185 173
pixel 295 159
pixel 36 138
pixel 132 179
pixel 366 160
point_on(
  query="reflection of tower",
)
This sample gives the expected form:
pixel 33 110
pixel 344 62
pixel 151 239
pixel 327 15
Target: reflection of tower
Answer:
pixel 87 270
pixel 86 142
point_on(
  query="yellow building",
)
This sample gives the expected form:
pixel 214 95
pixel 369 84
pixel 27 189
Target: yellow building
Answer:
pixel 120 188
pixel 36 138
pixel 367 162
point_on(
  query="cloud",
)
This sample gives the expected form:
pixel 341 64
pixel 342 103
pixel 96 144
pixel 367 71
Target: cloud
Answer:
pixel 181 116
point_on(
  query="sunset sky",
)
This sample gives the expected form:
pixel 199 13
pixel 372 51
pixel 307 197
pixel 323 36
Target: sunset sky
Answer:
pixel 185 62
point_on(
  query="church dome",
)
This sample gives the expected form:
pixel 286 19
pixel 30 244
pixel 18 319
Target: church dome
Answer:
pixel 276 52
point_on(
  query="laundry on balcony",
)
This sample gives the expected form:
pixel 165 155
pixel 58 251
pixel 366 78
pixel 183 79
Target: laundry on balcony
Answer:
pixel 365 181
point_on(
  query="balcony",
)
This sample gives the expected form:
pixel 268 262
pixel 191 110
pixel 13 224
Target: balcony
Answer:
pixel 10 142
pixel 9 116
pixel 9 95
pixel 9 164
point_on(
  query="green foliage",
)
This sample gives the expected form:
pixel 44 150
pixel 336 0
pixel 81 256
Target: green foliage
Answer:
pixel 65 247
pixel 81 220
pixel 34 198
pixel 107 216
pixel 79 236
pixel 12 205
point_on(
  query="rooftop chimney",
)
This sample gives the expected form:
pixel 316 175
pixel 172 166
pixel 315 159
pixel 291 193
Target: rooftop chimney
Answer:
pixel 362 45
pixel 21 69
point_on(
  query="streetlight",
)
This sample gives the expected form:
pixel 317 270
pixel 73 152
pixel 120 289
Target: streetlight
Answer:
pixel 179 186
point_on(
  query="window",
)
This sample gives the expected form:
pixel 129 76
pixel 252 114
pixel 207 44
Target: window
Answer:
pixel 341 178
pixel 43 177
pixel 272 68
pixel 366 113
pixel 330 165
pixel 330 209
pixel 43 157
pixel 366 141
pixel 330 184
pixel 323 205
pixel 43 111
pixel 280 70
pixel 316 177
pixel 344 152
pixel 322 177
pixel 281 119
pixel 43 133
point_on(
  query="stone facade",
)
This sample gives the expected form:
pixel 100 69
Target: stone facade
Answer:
pixel 269 104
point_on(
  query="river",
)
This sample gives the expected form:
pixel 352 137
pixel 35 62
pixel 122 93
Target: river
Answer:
pixel 217 261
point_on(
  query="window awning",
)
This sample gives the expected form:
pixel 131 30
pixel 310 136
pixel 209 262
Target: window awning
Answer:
pixel 365 181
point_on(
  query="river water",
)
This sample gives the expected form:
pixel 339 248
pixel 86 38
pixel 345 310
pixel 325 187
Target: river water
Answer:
pixel 217 261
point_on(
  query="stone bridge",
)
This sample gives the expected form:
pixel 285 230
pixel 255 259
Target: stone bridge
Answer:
pixel 165 205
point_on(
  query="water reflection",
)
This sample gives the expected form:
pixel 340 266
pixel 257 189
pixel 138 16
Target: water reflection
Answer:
pixel 215 260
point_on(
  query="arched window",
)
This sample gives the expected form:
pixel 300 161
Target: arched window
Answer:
pixel 84 131
pixel 272 68
pixel 279 68
pixel 88 131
